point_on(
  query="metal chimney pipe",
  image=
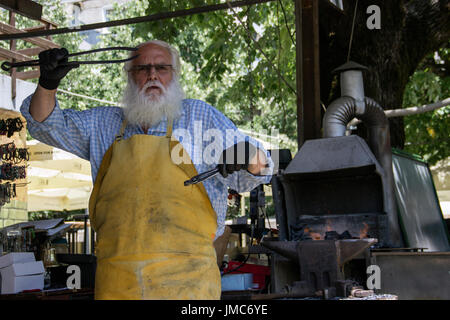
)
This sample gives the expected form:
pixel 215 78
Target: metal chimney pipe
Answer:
pixel 352 84
pixel 353 104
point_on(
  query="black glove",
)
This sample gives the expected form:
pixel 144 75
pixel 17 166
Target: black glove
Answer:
pixel 51 70
pixel 236 158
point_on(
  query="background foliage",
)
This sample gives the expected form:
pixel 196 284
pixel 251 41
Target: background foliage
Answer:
pixel 230 59
pixel 428 133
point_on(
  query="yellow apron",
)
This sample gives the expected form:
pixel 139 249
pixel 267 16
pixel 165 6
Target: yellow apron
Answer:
pixel 154 235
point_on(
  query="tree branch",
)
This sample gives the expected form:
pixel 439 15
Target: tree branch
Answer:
pixel 408 111
pixel 417 110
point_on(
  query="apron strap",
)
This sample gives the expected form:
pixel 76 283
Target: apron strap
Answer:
pixel 122 130
pixel 169 128
pixel 188 167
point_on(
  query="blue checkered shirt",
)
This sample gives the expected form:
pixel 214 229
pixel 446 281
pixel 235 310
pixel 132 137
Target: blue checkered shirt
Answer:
pixel 89 133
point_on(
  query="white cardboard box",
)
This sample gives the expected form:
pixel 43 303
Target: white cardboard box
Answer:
pixel 16 257
pixel 22 276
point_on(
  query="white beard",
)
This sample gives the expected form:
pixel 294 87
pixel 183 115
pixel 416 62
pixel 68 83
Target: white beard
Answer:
pixel 147 110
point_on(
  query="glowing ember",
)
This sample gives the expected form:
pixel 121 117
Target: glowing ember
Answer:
pixel 363 231
pixel 313 235
pixel 329 228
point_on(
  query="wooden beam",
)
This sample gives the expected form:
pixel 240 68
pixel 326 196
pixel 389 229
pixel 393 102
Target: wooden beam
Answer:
pixel 27 52
pixel 152 17
pixel 48 22
pixel 31 51
pixel 298 71
pixel 308 76
pixel 36 28
pixel 12 47
pixel 40 42
pixel 46 25
pixel 27 8
pixel 25 75
pixel 8 55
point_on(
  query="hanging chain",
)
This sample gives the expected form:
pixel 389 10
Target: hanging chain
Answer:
pixel 351 34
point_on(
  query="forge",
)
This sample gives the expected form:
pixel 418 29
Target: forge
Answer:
pixel 337 212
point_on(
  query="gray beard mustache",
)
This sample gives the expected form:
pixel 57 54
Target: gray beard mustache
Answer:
pixel 147 110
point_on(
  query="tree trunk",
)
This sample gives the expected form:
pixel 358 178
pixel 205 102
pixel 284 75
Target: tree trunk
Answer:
pixel 409 31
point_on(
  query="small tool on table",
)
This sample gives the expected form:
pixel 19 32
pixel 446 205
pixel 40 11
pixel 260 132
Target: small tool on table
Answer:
pixel 7 66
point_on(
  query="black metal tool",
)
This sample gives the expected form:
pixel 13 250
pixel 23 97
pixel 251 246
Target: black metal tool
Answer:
pixel 7 66
pixel 202 177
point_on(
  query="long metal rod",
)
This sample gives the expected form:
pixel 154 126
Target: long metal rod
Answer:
pixel 85 244
pixel 8 65
pixel 201 177
pixel 153 17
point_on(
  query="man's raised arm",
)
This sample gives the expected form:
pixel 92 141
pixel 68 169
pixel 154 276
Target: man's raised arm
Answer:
pixel 52 71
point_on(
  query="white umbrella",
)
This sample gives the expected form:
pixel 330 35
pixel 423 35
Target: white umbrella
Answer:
pixel 58 180
pixel 59 199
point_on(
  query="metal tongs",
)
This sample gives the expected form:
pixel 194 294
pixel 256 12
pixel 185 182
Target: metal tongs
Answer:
pixel 202 177
pixel 7 66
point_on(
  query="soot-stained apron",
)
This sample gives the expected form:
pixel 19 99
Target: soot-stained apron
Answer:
pixel 154 235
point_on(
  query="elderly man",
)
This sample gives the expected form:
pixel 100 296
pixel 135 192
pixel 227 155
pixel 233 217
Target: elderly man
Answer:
pixel 154 235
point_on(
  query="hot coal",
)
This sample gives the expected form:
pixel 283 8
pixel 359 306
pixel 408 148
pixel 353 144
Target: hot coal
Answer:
pixel 333 235
pixel 303 231
pixel 300 232
pixel 345 235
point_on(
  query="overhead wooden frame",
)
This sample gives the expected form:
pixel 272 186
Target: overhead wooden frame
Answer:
pixel 40 42
pixel 33 11
pixel 27 8
pixel 152 17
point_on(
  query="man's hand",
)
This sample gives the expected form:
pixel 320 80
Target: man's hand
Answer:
pixel 51 70
pixel 241 156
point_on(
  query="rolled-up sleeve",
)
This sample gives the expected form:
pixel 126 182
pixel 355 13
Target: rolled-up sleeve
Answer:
pixel 65 129
pixel 55 121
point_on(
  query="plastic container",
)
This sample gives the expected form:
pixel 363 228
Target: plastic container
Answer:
pixel 237 282
pixel 260 273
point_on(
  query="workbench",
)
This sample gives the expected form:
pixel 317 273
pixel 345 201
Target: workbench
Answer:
pixel 55 294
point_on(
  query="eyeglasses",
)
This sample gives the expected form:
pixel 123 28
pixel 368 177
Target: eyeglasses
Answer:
pixel 146 69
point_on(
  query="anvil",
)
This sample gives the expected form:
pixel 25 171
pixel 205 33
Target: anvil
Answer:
pixel 320 262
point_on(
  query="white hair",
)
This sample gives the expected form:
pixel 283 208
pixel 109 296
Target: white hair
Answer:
pixel 176 64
